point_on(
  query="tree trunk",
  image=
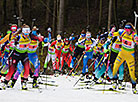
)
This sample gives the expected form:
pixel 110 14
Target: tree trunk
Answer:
pixel 47 12
pixel 4 13
pixel 96 2
pixel 134 6
pixel 88 15
pixel 109 14
pixel 115 12
pixel 30 9
pixel 60 17
pixel 100 13
pixel 54 18
pixel 20 13
pixel 15 7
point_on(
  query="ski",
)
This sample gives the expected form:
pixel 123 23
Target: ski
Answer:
pixel 42 83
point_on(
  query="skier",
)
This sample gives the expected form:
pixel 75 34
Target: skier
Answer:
pixel 19 54
pixel 88 53
pixel 80 47
pixel 33 58
pixel 129 39
pixel 99 70
pixel 66 56
pixel 58 45
pixel 51 52
pixel 6 47
pixel 115 48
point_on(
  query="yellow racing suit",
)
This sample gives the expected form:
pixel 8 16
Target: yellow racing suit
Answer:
pixel 126 54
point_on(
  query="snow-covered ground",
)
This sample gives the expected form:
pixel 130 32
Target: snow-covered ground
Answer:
pixel 63 91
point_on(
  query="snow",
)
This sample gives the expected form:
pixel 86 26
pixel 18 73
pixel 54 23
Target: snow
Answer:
pixel 65 92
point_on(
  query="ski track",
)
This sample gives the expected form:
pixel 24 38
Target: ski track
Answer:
pixel 65 92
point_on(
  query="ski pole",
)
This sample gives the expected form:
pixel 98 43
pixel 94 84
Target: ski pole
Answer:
pixel 77 81
pixel 108 62
pixel 135 18
pixel 99 62
pixel 46 79
pixel 92 62
pixel 77 64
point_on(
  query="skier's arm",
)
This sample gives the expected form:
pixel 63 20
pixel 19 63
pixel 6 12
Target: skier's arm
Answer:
pixel 5 39
pixel 46 44
pixel 136 38
pixel 53 43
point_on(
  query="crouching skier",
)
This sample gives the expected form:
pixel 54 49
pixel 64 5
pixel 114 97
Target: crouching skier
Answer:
pixel 19 54
pixel 88 53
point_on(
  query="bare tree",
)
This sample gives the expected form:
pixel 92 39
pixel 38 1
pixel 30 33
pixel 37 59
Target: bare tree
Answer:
pixel 115 12
pixel 30 9
pixel 54 17
pixel 4 13
pixel 60 17
pixel 88 14
pixel 134 5
pixel 100 13
pixel 109 14
pixel 20 12
pixel 47 12
pixel 15 7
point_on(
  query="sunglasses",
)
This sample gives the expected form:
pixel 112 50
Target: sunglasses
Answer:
pixel 128 27
pixel 83 35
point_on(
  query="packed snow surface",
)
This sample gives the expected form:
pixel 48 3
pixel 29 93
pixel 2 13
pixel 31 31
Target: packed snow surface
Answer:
pixel 62 90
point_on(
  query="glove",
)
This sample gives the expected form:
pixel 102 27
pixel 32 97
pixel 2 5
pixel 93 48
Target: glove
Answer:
pixel 45 40
pixel 136 38
pixel 84 52
pixel 110 34
pixel 49 29
pixel 70 38
pixel 76 43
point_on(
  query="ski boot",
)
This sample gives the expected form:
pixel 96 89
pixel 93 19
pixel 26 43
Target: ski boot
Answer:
pixel 56 73
pixel 94 81
pixel 82 77
pixel 120 85
pixel 3 85
pixel 134 91
pixel 87 76
pixel 35 85
pixel 24 84
pixel 99 81
pixel 114 85
pixel 11 84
